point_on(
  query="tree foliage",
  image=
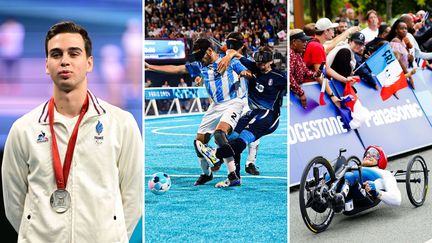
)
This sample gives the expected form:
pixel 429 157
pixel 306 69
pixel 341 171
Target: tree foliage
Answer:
pixel 362 6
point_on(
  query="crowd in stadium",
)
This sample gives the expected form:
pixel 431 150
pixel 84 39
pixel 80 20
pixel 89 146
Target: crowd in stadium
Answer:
pixel 259 21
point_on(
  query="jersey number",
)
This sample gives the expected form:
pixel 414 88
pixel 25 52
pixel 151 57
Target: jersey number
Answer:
pixel 234 115
pixel 259 87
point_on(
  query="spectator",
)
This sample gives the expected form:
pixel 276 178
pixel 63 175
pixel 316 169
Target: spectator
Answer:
pixel 341 59
pixel 148 83
pixel 184 103
pixel 352 21
pixel 182 83
pixel 423 39
pixel 415 50
pixel 343 25
pixel 315 55
pixel 166 84
pixel 400 45
pixel 298 69
pixel 373 45
pixel 309 29
pixel 371 31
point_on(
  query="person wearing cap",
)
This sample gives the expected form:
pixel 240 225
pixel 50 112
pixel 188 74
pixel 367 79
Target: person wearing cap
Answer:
pixel 315 54
pixel 371 31
pixel 223 114
pixel 378 183
pixel 342 59
pixel 298 70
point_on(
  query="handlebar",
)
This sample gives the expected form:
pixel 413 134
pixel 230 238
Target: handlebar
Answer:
pixel 341 150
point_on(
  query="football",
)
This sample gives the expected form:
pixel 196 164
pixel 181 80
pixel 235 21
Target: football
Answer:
pixel 159 183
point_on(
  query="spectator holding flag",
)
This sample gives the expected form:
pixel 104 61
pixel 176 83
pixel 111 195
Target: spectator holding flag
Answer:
pixel 315 55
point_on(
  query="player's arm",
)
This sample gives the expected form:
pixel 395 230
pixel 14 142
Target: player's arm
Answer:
pixel 342 37
pixel 225 61
pixel 14 178
pixel 391 196
pixel 130 166
pixel 240 69
pixel 180 69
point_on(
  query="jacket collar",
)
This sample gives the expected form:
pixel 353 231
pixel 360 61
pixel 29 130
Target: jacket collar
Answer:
pixel 95 109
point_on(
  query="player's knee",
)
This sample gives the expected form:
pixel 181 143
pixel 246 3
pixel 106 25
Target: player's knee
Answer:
pixel 220 138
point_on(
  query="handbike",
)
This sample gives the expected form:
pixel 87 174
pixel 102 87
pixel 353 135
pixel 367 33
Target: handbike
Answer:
pixel 317 186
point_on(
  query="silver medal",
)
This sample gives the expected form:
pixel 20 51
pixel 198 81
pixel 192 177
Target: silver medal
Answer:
pixel 60 200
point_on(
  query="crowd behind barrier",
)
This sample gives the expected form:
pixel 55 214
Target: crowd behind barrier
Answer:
pixel 397 125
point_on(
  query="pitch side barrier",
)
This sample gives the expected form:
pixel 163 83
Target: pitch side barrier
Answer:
pixel 173 95
pixel 397 125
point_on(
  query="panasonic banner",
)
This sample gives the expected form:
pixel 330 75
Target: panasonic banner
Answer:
pixel 397 125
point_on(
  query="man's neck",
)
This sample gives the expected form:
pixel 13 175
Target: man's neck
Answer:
pixel 69 103
pixel 321 38
pixel 373 28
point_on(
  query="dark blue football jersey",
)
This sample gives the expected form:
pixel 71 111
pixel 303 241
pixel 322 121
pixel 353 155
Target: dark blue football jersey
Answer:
pixel 266 90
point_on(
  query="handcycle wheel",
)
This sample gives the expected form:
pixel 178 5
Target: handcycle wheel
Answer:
pixel 315 181
pixel 417 180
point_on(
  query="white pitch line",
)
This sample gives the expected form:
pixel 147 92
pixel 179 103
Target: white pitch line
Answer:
pixel 164 145
pixel 223 176
pixel 167 121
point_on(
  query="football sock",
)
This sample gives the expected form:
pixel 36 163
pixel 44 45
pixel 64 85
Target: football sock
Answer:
pixel 252 152
pixel 204 166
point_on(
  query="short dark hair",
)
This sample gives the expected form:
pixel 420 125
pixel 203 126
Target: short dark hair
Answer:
pixel 382 29
pixel 68 27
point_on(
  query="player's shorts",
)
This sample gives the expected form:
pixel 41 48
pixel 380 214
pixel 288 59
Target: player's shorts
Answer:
pixel 228 111
pixel 245 106
pixel 257 123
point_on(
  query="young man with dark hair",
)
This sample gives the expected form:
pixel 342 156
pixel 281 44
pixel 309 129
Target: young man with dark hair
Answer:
pixel 72 167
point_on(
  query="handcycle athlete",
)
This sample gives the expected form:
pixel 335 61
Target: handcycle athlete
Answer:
pixel 350 186
pixel 378 183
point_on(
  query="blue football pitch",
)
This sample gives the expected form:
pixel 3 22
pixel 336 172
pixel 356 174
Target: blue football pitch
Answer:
pixel 253 212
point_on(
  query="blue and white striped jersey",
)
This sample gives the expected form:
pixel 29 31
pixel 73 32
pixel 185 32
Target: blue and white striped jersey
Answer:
pixel 220 87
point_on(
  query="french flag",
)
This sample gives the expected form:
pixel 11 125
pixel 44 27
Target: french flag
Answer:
pixel 385 66
pixel 422 63
pixel 323 85
pixel 353 113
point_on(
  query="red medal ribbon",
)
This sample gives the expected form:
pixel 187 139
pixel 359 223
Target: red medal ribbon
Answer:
pixel 62 175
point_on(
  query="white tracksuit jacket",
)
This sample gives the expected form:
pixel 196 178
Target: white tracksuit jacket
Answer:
pixel 105 179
